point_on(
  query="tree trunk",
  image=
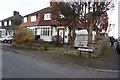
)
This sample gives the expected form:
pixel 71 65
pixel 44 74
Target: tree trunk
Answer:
pixel 71 37
pixel 96 37
pixel 90 34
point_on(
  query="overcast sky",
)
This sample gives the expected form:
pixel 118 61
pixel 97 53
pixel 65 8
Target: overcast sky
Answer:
pixel 113 19
pixel 25 7
pixel 22 6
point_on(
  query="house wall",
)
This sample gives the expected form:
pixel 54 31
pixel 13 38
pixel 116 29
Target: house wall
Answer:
pixel 52 32
pixel 39 31
pixel 66 32
pixel 46 37
pixel 9 22
pixel 2 32
pixel 40 24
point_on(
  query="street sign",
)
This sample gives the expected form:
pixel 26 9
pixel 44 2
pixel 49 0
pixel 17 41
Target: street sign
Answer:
pixel 82 49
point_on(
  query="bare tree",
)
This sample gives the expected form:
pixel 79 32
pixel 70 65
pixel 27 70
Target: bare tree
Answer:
pixel 89 13
pixel 101 24
pixel 63 14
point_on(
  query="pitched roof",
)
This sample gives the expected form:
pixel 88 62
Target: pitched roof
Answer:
pixel 46 23
pixel 12 17
pixel 9 18
pixel 42 22
pixel 45 10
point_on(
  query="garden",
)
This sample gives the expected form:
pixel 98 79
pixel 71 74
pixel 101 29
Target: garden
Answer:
pixel 23 38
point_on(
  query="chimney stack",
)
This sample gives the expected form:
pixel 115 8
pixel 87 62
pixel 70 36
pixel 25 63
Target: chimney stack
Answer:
pixel 15 13
pixel 52 3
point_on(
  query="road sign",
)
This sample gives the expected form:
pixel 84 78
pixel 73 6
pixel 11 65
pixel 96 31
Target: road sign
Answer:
pixel 82 49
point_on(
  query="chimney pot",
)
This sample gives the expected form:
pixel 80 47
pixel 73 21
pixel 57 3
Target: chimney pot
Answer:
pixel 15 13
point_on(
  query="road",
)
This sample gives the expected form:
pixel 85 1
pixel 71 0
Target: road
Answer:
pixel 22 66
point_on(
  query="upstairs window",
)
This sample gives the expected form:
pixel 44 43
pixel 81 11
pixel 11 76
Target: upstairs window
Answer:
pixel 10 22
pixel 33 18
pixel 25 19
pixel 62 16
pixel 47 16
pixel 5 23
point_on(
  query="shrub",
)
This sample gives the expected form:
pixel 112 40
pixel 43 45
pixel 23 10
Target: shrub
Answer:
pixel 24 35
pixel 56 40
pixel 37 37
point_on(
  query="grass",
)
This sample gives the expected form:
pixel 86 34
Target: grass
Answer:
pixel 50 47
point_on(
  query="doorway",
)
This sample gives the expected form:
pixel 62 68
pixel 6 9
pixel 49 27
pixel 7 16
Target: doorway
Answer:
pixel 61 32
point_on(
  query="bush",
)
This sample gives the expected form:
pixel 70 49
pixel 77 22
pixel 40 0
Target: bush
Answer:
pixel 24 35
pixel 56 41
pixel 37 37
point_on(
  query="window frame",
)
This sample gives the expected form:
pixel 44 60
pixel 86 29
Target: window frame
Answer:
pixel 10 22
pixel 33 18
pixel 47 16
pixel 25 19
pixel 45 31
pixel 5 23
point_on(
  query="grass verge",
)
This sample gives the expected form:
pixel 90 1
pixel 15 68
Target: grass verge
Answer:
pixel 107 49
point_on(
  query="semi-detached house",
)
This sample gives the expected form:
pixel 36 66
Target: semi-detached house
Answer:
pixel 40 23
pixel 7 24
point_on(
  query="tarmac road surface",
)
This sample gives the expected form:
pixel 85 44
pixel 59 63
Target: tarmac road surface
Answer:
pixel 22 66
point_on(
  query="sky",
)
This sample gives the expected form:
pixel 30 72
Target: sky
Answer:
pixel 113 19
pixel 25 7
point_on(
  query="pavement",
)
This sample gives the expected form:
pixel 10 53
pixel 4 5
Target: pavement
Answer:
pixel 108 63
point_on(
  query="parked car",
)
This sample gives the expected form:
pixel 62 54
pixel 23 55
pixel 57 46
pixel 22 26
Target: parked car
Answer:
pixel 7 39
pixel 81 39
pixel 118 45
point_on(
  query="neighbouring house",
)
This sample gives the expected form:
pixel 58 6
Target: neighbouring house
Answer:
pixel 40 23
pixel 6 24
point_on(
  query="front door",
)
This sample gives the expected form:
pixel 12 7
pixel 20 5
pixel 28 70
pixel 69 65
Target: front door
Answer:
pixel 61 33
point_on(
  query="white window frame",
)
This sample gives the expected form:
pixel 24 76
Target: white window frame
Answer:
pixel 45 31
pixel 34 18
pixel 47 16
pixel 5 23
pixel 25 19
pixel 10 22
pixel 62 16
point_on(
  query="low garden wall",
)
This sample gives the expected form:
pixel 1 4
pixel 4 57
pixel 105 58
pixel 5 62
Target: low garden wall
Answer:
pixel 34 46
pixel 97 47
